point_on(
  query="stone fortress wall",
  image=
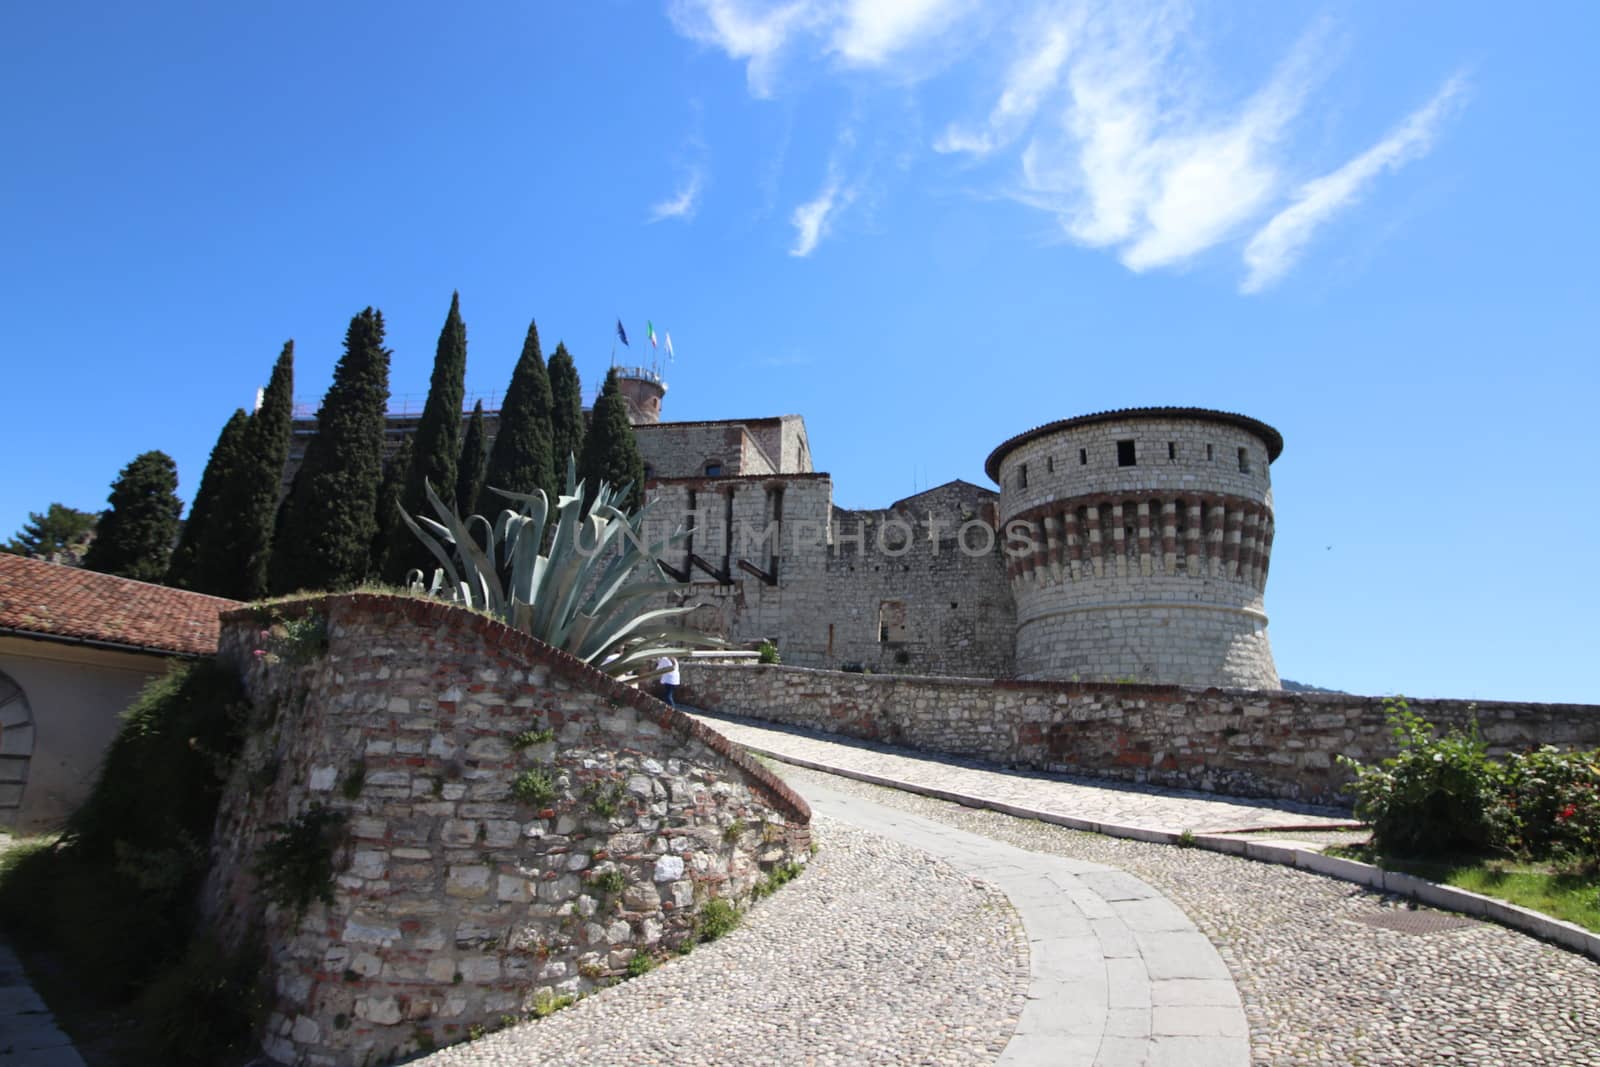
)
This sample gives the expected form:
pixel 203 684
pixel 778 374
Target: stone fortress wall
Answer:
pixel 456 902
pixel 1150 534
pixel 1238 742
pixel 1152 571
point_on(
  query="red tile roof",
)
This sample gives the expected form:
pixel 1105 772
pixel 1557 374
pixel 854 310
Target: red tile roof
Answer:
pixel 47 600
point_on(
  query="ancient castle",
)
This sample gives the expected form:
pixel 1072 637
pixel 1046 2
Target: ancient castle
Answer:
pixel 1123 545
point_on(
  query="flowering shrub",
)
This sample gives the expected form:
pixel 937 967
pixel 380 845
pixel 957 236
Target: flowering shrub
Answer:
pixel 1553 804
pixel 1441 795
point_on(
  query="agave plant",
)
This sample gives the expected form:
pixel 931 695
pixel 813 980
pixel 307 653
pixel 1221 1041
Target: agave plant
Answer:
pixel 582 594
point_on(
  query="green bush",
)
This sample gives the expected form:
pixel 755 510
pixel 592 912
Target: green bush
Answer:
pixel 767 652
pixel 115 896
pixel 206 1008
pixel 1437 795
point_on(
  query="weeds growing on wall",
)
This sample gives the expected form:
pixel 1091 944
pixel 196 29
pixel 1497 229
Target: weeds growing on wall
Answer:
pixel 717 917
pixel 296 866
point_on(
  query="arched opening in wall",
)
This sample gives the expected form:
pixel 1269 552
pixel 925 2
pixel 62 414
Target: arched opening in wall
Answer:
pixel 16 747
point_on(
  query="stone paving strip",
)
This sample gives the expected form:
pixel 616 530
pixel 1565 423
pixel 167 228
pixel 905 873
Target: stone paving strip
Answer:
pixel 1120 976
pixel 1081 803
pixel 877 954
pixel 29 1036
pixel 1330 973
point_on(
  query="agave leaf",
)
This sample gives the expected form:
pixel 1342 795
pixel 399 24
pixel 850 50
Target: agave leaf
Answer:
pixel 480 571
pixel 607 636
pixel 432 545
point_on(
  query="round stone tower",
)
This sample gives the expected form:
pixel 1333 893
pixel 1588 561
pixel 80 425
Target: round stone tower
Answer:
pixel 1151 531
pixel 643 389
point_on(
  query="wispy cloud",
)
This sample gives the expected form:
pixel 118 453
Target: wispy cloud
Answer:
pixel 753 32
pixel 811 219
pixel 682 204
pixel 1032 74
pixel 1110 115
pixel 1273 250
pixel 871 32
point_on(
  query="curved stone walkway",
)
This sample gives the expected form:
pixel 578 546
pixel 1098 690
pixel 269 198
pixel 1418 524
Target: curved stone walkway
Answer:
pixel 1332 974
pixel 876 954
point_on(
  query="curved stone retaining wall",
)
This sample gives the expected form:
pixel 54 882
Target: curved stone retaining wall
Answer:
pixel 455 903
pixel 1254 743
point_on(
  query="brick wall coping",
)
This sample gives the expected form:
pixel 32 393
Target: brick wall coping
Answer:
pixel 497 635
pixel 1171 694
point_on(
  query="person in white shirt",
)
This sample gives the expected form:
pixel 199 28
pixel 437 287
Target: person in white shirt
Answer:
pixel 669 680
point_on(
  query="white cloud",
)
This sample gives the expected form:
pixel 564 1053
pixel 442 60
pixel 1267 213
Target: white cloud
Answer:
pixel 811 219
pixel 1273 250
pixel 870 32
pixel 753 32
pixel 1110 115
pixel 683 203
pixel 1032 74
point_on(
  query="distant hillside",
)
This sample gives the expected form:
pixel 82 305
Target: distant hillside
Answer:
pixel 1301 687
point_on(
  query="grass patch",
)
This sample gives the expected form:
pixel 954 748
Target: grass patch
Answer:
pixel 529 738
pixel 1567 894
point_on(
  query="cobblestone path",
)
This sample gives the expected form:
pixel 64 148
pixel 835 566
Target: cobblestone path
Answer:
pixel 1331 973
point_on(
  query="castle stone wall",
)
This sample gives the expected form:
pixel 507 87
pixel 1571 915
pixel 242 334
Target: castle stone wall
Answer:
pixel 1236 742
pixel 456 903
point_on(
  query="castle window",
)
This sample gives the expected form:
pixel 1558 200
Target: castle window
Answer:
pixel 1083 457
pixel 649 472
pixel 892 620
pixel 1022 476
pixel 1125 456
pixel 1209 456
pixel 713 469
pixel 1049 464
pixel 1172 451
pixel 1244 460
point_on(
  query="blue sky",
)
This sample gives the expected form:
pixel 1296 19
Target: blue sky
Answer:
pixel 925 225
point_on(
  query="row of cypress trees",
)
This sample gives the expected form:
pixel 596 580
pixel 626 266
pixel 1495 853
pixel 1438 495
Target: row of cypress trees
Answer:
pixel 338 525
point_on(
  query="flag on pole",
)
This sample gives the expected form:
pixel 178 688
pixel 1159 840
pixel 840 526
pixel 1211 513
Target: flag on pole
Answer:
pixel 650 331
pixel 621 333
pixel 668 346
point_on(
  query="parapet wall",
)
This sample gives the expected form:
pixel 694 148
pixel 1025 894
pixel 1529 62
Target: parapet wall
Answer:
pixel 456 903
pixel 1253 743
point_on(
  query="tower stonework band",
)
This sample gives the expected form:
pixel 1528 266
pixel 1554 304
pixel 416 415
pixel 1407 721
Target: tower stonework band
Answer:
pixel 1151 534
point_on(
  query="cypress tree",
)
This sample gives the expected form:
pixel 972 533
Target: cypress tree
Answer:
pixel 134 539
pixel 436 449
pixel 610 451
pixel 389 494
pixel 205 514
pixel 329 519
pixel 474 463
pixel 253 497
pixel 566 412
pixel 522 458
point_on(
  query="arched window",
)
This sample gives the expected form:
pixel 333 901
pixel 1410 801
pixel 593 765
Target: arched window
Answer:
pixel 16 747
